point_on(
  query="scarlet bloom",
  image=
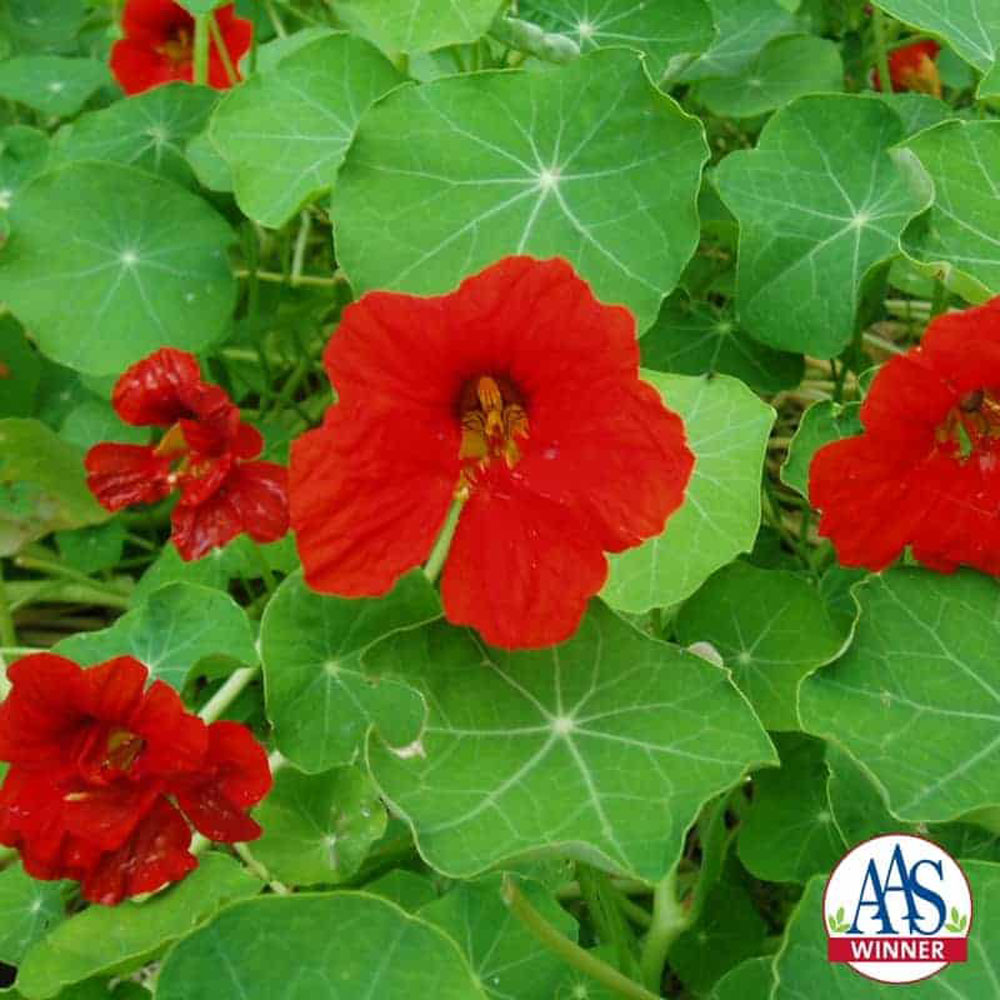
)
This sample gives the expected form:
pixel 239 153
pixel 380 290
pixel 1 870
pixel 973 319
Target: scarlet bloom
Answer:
pixel 158 46
pixel 98 761
pixel 518 393
pixel 204 454
pixel 912 67
pixel 926 470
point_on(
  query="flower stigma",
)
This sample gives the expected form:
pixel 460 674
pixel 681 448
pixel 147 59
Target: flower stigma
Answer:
pixel 493 420
pixel 973 425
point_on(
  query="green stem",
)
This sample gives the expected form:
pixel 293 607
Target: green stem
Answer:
pixel 881 50
pixel 217 40
pixel 570 952
pixel 669 920
pixel 440 551
pixel 8 634
pixel 301 243
pixel 939 301
pixel 57 569
pixel 234 686
pixel 201 45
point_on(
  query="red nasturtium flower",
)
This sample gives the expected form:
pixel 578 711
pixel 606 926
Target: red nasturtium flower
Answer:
pixel 926 470
pixel 158 46
pixel 518 393
pixel 912 67
pixel 104 770
pixel 205 454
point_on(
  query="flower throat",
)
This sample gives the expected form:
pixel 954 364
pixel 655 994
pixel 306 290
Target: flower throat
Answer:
pixel 493 420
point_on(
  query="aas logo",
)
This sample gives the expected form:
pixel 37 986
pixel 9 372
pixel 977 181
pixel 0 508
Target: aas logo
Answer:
pixel 897 909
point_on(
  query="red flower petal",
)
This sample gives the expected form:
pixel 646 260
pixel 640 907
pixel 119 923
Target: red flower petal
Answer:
pixel 120 475
pixel 157 390
pixel 236 776
pixel 868 505
pixel 521 568
pixel 908 480
pixel 42 713
pixel 621 460
pixel 137 67
pixel 175 740
pixel 369 497
pixel 156 853
pixel 252 498
pixel 154 21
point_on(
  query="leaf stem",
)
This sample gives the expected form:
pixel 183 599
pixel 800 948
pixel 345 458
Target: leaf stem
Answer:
pixel 439 553
pixel 570 952
pixel 301 242
pixel 114 596
pixel 201 46
pixel 881 50
pixel 227 62
pixel 235 684
pixel 669 920
pixel 8 634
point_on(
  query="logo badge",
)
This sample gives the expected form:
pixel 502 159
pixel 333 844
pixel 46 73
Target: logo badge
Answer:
pixel 897 909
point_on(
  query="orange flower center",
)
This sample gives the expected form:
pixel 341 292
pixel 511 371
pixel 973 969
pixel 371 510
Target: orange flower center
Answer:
pixel 973 426
pixel 923 78
pixel 179 48
pixel 174 447
pixel 493 420
pixel 122 749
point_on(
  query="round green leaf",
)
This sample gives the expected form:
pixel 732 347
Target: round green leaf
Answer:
pixel 789 833
pixel 405 888
pixel 802 969
pixel 771 628
pixel 784 69
pixel 507 958
pixel 743 28
pixel 29 909
pixel 915 696
pixel 113 940
pixel 107 263
pixel 318 698
pixel 52 85
pixel 177 626
pixel 660 31
pixel 960 229
pixel 148 130
pixel 318 828
pixel 697 340
pixel 24 153
pixel 823 422
pixel 20 370
pixel 338 946
pixel 44 478
pixel 727 428
pixel 729 929
pixel 591 163
pixel 602 748
pixel 861 813
pixel 821 205
pixel 752 978
pixel 284 133
pixel 89 550
pixel 971 27
pixel 420 25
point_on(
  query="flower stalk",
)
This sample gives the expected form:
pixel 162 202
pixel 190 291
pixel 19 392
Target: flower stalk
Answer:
pixel 570 952
pixel 440 551
pixel 670 919
pixel 202 36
